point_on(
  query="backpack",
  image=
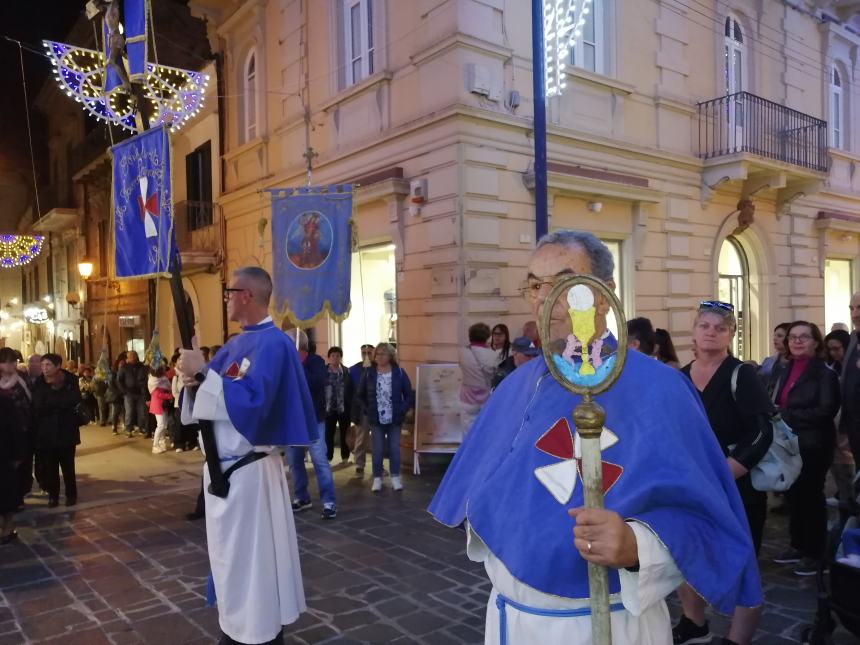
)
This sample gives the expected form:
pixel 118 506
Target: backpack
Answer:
pixel 781 465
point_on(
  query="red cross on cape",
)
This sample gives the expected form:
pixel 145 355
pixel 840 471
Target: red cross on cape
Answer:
pixel 560 478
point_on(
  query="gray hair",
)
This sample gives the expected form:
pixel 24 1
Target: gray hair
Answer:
pixel 602 264
pixel 261 281
pixel 388 348
pixel 303 339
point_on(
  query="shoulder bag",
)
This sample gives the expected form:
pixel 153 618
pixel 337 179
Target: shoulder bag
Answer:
pixel 781 465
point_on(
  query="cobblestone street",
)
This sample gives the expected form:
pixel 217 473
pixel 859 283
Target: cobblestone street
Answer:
pixel 133 570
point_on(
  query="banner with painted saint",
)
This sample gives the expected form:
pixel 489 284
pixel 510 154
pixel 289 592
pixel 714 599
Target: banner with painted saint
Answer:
pixel 312 252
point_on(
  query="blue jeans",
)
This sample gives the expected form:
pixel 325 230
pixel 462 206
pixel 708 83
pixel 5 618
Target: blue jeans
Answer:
pixel 319 458
pixel 386 436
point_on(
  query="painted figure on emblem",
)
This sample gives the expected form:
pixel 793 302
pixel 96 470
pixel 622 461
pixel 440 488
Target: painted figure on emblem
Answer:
pixel 586 319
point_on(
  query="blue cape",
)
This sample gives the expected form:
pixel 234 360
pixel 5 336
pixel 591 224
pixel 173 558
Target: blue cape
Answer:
pixel 675 480
pixel 268 400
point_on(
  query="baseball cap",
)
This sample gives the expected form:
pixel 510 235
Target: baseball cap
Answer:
pixel 524 346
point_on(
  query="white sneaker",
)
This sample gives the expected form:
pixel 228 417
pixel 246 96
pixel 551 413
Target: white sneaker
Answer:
pixel 179 450
pixel 157 450
pixel 377 484
pixel 396 484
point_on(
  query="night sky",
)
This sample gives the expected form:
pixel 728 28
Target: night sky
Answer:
pixel 28 21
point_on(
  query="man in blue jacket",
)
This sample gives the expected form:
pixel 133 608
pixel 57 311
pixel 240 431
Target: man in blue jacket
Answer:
pixel 315 373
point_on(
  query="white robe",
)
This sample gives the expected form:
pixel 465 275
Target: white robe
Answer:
pixel 643 621
pixel 251 533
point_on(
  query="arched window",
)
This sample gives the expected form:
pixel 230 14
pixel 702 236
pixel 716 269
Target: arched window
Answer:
pixel 249 77
pixel 735 58
pixel 837 110
pixel 733 286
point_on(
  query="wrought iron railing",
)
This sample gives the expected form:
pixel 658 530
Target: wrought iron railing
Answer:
pixel 743 122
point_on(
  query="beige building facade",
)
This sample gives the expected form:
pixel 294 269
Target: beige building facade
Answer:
pixel 714 145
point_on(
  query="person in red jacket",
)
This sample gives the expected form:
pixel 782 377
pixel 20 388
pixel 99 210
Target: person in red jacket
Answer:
pixel 159 393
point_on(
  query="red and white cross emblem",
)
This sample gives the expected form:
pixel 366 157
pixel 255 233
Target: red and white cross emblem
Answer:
pixel 560 478
pixel 148 208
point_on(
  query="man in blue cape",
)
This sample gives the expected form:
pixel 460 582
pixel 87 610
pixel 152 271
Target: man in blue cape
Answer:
pixel 255 394
pixel 672 509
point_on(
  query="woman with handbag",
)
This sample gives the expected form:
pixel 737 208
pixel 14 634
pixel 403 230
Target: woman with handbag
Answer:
pixel 59 414
pixel 739 419
pixel 807 393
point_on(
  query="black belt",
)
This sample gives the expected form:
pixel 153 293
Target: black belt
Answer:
pixel 250 458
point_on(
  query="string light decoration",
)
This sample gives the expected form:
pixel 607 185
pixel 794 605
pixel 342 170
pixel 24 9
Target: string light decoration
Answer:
pixel 18 250
pixel 563 21
pixel 176 95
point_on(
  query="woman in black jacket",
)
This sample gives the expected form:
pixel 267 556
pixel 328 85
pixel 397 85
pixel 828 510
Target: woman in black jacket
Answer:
pixel 807 393
pixel 740 418
pixel 56 397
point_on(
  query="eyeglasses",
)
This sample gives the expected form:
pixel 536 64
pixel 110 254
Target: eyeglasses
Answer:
pixel 800 338
pixel 531 289
pixel 229 291
pixel 717 304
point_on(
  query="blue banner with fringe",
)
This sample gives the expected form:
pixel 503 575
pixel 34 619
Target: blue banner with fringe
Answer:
pixel 144 239
pixel 312 252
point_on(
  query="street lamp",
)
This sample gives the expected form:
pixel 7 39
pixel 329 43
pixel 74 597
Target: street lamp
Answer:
pixel 85 268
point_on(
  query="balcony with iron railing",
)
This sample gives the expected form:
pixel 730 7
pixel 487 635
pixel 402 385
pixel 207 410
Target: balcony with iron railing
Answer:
pixel 746 137
pixel 199 234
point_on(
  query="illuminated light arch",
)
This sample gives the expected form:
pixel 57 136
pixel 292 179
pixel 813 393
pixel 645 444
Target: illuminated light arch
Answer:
pixel 18 250
pixel 176 95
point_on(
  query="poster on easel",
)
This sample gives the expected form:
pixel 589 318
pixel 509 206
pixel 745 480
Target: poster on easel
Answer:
pixel 438 424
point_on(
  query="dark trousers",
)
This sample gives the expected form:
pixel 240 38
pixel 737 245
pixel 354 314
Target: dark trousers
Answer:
pixel 116 410
pixel 332 422
pixel 807 505
pixel 92 407
pixel 25 468
pixel 52 460
pixel 183 436
pixel 102 408
pixel 136 414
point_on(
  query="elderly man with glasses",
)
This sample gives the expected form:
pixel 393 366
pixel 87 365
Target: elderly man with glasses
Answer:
pixel 672 510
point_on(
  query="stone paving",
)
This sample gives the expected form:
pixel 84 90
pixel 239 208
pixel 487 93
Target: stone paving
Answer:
pixel 134 571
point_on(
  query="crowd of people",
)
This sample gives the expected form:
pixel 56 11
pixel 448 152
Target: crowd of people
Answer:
pixel 45 401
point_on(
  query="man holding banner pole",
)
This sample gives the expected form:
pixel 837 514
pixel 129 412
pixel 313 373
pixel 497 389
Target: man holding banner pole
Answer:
pixel 254 393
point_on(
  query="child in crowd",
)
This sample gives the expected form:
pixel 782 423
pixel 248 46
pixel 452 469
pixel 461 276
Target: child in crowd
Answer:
pixel 159 391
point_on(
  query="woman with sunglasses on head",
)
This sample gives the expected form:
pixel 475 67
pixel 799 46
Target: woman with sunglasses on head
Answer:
pixel 808 396
pixel 741 422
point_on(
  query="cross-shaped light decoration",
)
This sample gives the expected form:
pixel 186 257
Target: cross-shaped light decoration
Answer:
pixel 562 24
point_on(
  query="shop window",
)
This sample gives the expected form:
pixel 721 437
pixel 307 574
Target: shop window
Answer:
pixel 838 287
pixel 373 316
pixel 733 287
